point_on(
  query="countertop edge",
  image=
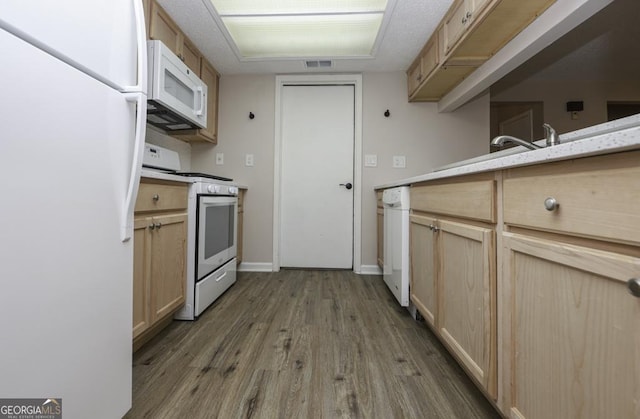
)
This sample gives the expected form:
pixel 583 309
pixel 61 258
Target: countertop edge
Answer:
pixel 152 174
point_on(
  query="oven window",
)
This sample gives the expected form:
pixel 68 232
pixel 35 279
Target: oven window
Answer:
pixel 219 223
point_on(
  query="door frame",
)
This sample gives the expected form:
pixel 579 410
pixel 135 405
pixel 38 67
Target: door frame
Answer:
pixel 319 80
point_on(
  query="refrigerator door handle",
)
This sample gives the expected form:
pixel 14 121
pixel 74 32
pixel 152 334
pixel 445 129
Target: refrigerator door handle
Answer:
pixel 141 42
pixel 136 163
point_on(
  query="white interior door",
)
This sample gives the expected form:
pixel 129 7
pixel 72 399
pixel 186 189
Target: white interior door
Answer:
pixel 316 229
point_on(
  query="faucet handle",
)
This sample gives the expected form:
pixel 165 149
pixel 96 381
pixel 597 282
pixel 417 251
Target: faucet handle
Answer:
pixel 551 135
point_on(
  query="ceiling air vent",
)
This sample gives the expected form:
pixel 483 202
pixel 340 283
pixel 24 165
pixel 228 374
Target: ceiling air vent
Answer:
pixel 318 64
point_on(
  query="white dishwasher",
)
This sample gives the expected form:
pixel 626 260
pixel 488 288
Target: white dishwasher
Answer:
pixel 396 242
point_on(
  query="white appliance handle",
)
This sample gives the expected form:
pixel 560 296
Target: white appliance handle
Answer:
pixel 141 42
pixel 201 91
pixel 136 163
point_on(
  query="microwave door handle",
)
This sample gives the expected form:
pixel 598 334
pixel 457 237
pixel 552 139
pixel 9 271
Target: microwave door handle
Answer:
pixel 200 90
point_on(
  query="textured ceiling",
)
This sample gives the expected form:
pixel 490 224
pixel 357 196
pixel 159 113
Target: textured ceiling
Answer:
pixel 411 25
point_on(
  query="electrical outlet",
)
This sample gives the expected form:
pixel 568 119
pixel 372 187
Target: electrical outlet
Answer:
pixel 248 160
pixel 399 162
pixel 219 159
pixel 370 160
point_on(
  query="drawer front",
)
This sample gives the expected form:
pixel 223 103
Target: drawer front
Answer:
pixel 600 203
pixel 161 197
pixel 475 200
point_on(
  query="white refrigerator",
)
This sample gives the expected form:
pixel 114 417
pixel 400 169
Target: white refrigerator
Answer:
pixel 72 126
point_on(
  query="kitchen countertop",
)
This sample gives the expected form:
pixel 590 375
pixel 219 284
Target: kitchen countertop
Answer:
pixel 152 174
pixel 610 137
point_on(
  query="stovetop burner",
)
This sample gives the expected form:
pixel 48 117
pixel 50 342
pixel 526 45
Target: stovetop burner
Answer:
pixel 204 175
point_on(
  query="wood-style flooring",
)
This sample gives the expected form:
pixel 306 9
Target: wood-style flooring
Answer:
pixel 302 344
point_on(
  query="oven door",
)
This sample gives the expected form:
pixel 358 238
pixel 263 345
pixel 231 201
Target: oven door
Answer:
pixel 216 232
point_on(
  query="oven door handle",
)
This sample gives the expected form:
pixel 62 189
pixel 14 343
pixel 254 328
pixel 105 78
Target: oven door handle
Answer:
pixel 218 200
pixel 222 276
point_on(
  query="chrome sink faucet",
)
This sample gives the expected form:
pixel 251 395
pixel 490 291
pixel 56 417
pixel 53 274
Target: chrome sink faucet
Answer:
pixel 550 134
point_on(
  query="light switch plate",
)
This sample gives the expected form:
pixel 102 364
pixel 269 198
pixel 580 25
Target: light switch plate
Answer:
pixel 219 159
pixel 399 162
pixel 370 160
pixel 248 160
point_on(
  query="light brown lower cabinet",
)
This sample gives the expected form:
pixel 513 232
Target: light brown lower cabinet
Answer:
pixel 380 228
pixel 453 286
pixel 160 268
pixel 239 242
pixel 160 238
pixel 547 324
pixel 575 331
pixel 423 287
pixel 467 298
pixel 453 270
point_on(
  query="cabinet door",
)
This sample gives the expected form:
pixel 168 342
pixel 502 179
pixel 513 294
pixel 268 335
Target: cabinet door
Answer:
pixel 575 331
pixel 380 222
pixel 414 76
pixel 191 56
pixel 210 77
pixel 466 309
pixel 239 241
pixel 141 311
pixel 168 263
pixel 456 24
pixel 423 267
pixel 164 29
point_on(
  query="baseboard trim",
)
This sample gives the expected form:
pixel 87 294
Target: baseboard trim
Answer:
pixel 255 267
pixel 370 270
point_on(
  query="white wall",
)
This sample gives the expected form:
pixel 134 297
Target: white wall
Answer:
pixel 238 135
pixel 427 139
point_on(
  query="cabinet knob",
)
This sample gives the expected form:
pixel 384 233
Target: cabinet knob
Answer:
pixel 152 227
pixel 464 20
pixel 551 204
pixel 434 228
pixel 158 225
pixel 468 15
pixel 634 286
pixel 156 197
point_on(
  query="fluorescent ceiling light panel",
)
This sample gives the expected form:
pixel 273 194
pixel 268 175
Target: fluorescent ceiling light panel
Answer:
pixel 277 7
pixel 264 29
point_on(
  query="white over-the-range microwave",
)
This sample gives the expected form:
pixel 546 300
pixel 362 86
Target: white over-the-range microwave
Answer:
pixel 177 98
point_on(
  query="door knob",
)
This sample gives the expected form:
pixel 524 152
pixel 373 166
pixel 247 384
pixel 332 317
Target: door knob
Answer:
pixel 347 185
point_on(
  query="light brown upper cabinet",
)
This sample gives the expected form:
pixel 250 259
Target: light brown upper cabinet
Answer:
pixel 460 18
pixel 163 28
pixel 469 34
